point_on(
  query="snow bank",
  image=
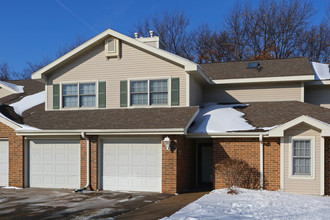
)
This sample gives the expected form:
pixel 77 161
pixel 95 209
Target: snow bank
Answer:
pixel 321 70
pixel 28 102
pixel 17 88
pixel 220 119
pixel 255 204
pixel 11 187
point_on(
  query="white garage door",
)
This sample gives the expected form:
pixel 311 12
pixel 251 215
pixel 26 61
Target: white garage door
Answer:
pixel 132 165
pixel 55 163
pixel 4 154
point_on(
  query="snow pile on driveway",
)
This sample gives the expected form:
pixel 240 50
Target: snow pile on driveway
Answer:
pixel 28 102
pixel 321 70
pixel 255 204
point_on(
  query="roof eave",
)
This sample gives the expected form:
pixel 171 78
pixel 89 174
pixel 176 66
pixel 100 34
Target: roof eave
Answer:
pixel 227 134
pixel 266 79
pixel 160 131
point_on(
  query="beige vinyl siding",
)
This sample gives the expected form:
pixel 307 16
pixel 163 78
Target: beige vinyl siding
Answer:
pixel 196 92
pixel 253 92
pixel 4 92
pixel 318 95
pixel 133 64
pixel 304 186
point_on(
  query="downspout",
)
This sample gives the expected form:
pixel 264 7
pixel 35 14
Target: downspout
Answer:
pixel 261 161
pixel 83 135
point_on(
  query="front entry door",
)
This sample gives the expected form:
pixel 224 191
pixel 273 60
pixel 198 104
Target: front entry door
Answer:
pixel 206 168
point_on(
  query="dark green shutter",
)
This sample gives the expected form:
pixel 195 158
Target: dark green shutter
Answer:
pixel 123 93
pixel 102 94
pixel 175 91
pixel 56 96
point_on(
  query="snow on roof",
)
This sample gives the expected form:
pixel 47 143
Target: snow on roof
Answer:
pixel 220 119
pixel 215 118
pixel 321 70
pixel 28 102
pixel 23 126
pixel 17 88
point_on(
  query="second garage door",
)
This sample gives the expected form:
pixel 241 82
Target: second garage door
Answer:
pixel 132 165
pixel 55 163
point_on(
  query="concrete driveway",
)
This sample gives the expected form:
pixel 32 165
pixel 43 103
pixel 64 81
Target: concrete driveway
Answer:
pixel 34 203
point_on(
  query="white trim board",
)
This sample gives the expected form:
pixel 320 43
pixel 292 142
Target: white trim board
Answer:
pixel 279 131
pixel 265 79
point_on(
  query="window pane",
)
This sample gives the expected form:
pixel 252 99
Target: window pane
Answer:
pixel 70 89
pixel 301 166
pixel 70 101
pixel 87 100
pixel 87 88
pixel 158 98
pixel 111 45
pixel 139 86
pixel 158 86
pixel 139 99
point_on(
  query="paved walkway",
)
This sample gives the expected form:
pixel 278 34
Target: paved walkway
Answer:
pixel 163 208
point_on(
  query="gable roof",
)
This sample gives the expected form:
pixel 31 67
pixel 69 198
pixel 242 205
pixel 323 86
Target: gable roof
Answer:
pixel 269 114
pixel 279 131
pixel 186 64
pixel 291 69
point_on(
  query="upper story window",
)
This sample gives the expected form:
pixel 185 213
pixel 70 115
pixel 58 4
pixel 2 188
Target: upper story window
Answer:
pixel 111 47
pixel 301 157
pixel 79 95
pixel 149 92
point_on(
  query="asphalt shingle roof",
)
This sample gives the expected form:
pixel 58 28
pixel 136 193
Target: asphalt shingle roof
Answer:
pixel 268 68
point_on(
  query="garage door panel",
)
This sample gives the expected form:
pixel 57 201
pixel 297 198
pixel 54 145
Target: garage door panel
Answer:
pixel 132 165
pixel 55 163
pixel 4 163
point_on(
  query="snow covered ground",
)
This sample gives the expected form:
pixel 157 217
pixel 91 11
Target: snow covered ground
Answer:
pixel 255 204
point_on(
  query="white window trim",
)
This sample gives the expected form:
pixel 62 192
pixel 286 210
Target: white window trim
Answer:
pixel 79 82
pixel 148 79
pixel 302 138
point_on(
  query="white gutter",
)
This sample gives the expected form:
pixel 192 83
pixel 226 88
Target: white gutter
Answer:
pixel 227 135
pixel 261 161
pixel 167 131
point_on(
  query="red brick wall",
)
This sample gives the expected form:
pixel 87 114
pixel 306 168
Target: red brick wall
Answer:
pixel 248 149
pixel 327 166
pixel 93 162
pixel 16 155
pixel 178 169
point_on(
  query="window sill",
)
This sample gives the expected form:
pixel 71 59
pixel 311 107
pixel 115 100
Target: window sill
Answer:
pixel 302 177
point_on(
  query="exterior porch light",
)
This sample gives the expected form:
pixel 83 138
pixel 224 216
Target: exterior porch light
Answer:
pixel 167 142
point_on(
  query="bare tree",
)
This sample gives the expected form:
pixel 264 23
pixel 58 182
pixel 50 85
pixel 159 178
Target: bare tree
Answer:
pixel 316 44
pixel 210 46
pixel 171 27
pixel 237 28
pixel 5 72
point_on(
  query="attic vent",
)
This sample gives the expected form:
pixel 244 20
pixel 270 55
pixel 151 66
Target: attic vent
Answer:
pixel 253 65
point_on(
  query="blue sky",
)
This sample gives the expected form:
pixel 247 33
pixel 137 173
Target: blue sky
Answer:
pixel 33 29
